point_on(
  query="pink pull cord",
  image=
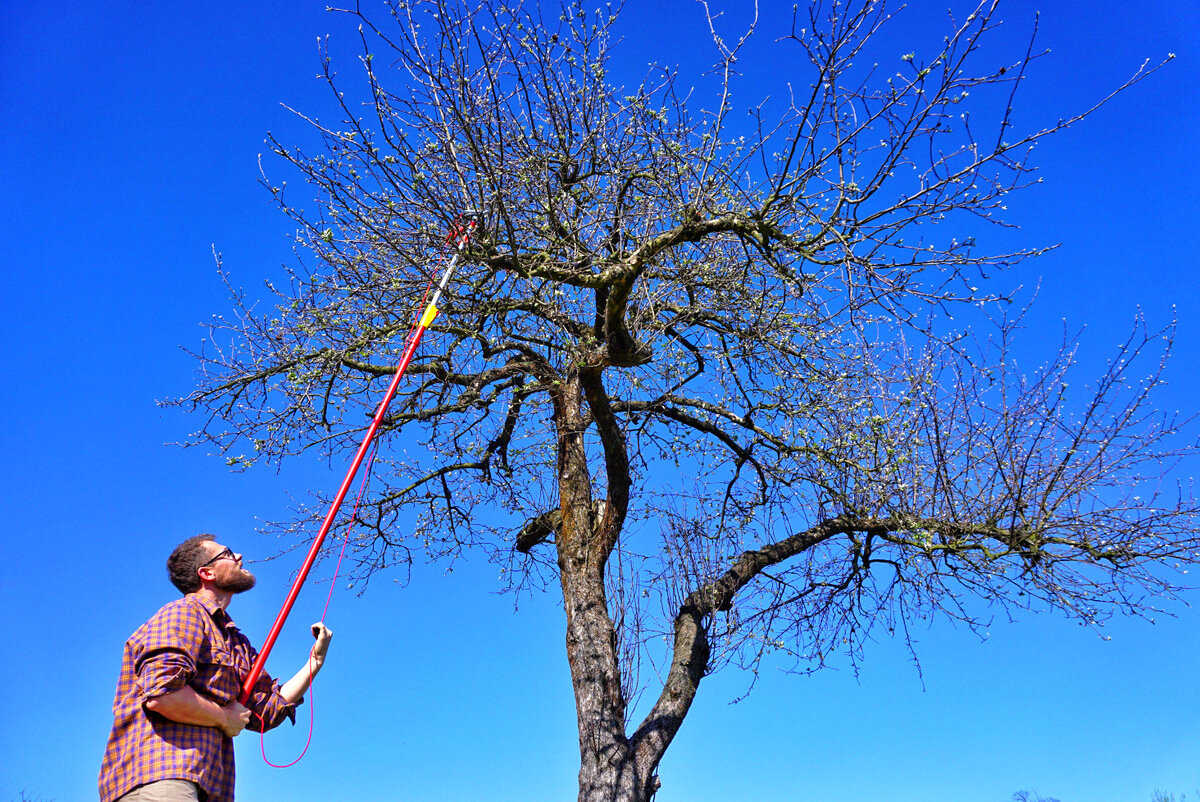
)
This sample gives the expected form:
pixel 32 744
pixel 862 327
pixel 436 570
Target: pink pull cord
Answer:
pixel 262 735
pixel 337 569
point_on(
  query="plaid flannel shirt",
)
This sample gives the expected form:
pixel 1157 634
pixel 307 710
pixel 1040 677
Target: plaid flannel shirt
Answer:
pixel 186 642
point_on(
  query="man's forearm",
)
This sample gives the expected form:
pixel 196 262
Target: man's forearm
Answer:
pixel 295 688
pixel 185 706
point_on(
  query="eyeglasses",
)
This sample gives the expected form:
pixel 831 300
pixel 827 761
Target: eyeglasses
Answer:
pixel 227 552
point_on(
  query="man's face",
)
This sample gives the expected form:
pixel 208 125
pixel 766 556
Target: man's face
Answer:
pixel 226 566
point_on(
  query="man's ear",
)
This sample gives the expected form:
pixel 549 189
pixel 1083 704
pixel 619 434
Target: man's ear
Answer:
pixel 205 573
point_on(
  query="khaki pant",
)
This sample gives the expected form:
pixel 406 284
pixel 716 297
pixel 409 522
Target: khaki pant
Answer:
pixel 164 791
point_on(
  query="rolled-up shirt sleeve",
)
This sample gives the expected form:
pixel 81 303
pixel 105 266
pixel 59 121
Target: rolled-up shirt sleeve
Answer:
pixel 162 672
pixel 166 653
pixel 269 706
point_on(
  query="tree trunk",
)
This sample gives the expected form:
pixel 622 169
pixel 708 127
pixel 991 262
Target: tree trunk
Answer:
pixel 608 771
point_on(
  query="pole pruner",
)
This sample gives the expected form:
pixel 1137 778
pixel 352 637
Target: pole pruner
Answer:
pixel 460 235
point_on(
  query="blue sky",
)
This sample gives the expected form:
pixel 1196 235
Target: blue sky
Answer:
pixel 131 139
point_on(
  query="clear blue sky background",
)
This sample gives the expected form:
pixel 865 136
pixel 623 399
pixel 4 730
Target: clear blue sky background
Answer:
pixel 130 137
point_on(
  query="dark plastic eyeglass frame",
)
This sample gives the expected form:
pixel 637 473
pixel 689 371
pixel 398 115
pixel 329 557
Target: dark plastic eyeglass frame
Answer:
pixel 227 552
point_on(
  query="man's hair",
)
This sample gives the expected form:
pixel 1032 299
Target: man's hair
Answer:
pixel 185 560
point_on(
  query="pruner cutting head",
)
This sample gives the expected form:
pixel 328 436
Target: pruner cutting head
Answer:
pixel 461 228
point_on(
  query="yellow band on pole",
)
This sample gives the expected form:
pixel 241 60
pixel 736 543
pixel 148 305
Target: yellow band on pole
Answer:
pixel 430 314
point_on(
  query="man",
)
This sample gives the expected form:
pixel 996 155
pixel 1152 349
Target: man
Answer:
pixel 176 708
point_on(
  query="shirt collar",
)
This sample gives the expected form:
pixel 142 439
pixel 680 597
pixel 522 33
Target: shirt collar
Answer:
pixel 216 611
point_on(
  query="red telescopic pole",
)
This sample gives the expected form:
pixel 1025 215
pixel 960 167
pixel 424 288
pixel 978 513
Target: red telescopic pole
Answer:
pixel 459 237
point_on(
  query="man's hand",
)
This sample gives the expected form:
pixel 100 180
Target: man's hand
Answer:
pixel 294 688
pixel 234 718
pixel 323 635
pixel 186 706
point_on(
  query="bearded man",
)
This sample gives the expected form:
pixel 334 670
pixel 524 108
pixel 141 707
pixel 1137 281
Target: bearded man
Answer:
pixel 176 709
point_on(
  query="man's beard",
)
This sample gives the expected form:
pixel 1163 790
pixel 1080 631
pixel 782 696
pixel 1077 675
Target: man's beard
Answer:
pixel 237 581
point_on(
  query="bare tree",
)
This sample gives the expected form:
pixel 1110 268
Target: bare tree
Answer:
pixel 1026 796
pixel 749 385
